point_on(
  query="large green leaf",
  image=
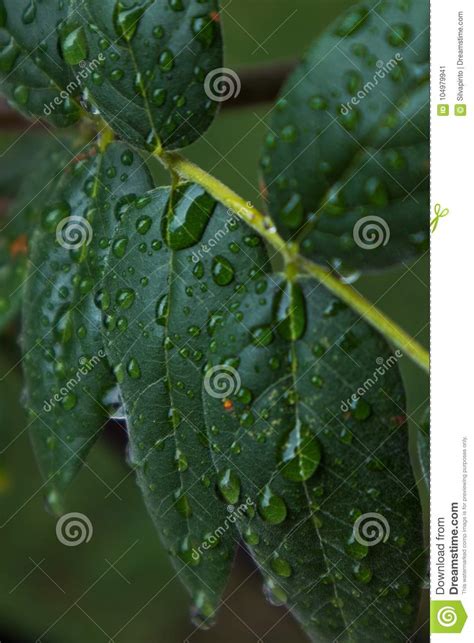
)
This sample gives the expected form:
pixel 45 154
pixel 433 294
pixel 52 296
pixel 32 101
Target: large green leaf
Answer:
pixel 349 181
pixel 151 86
pixel 18 226
pixel 318 465
pixel 166 291
pixel 33 71
pixel 66 370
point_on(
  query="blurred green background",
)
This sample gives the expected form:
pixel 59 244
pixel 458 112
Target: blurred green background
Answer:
pixel 120 586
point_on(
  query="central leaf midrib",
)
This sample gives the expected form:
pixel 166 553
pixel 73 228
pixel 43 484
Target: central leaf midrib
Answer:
pixel 171 266
pixel 294 373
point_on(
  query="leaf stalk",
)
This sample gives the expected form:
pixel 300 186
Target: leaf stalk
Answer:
pixel 265 226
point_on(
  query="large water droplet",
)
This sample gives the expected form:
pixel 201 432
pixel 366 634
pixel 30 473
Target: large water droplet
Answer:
pixel 271 507
pixel 188 212
pixel 229 486
pixel 29 14
pixel 292 213
pixel 399 35
pixel 362 572
pixel 361 410
pixel 280 566
pixel 74 46
pixel 202 613
pixel 355 549
pixel 300 453
pixel 290 311
pixel 352 22
pixel 204 30
pixel 127 19
pixel 222 271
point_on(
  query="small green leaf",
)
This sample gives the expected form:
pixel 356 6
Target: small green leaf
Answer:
pixel 18 226
pixel 34 73
pixel 347 161
pixel 166 303
pixel 66 370
pixel 321 449
pixel 149 61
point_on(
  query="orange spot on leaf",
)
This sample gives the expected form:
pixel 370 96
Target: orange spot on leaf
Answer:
pixel 19 246
pixel 399 420
pixel 228 405
pixel 215 16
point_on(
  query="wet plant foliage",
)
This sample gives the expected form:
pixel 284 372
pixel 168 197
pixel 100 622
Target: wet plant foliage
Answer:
pixel 230 374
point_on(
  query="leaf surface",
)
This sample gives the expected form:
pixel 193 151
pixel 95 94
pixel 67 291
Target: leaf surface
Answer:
pixel 178 262
pixel 18 226
pixel 346 163
pixel 33 71
pixel 336 528
pixel 66 370
pixel 151 86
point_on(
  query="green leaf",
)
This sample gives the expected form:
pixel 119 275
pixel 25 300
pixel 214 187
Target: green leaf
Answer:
pixel 349 180
pixel 179 261
pixel 33 72
pixel 21 221
pixel 150 85
pixel 317 465
pixel 67 374
pixel 423 447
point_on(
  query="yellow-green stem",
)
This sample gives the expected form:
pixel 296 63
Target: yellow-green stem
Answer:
pixel 236 205
pixel 370 313
pixel 266 228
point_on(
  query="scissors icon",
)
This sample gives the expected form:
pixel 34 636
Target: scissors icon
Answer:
pixel 439 215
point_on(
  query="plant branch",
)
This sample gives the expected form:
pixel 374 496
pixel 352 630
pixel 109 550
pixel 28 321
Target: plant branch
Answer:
pixel 235 204
pixel 370 313
pixel 266 228
pixel 261 83
pixel 10 119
